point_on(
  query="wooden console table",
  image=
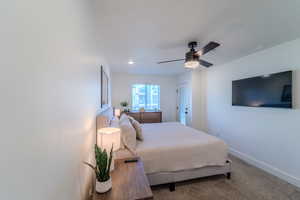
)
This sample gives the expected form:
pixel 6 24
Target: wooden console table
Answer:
pixel 147 116
pixel 129 182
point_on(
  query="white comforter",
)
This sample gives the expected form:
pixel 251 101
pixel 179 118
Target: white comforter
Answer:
pixel 171 147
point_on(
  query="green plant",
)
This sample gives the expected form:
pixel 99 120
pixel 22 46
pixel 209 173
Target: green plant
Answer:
pixel 103 163
pixel 124 103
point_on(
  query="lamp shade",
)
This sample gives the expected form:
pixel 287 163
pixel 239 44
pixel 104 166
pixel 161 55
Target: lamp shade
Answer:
pixel 108 137
pixel 117 112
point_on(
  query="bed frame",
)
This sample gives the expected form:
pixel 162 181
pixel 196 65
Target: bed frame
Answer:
pixel 173 177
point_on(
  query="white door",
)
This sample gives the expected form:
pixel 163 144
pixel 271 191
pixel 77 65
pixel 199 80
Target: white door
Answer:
pixel 183 105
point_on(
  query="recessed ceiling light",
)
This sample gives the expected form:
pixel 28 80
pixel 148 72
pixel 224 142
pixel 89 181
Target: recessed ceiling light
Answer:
pixel 130 62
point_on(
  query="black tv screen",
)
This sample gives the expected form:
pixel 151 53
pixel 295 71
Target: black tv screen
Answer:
pixel 272 90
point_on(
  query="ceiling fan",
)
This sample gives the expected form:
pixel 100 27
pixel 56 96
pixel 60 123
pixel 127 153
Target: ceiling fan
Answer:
pixel 192 58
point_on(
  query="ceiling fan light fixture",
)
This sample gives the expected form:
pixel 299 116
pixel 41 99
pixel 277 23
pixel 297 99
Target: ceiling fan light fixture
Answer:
pixel 192 64
pixel 191 59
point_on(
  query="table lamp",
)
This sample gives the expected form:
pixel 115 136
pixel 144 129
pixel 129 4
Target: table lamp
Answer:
pixel 108 137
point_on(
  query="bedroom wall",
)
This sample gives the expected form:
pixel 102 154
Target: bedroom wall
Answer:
pixel 198 85
pixel 266 137
pixel 121 90
pixel 49 83
pixel 195 82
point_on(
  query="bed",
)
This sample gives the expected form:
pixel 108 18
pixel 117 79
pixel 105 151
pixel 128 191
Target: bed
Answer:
pixel 172 152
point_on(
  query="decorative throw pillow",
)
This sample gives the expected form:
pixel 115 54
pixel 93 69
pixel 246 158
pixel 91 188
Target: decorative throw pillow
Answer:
pixel 130 118
pixel 128 134
pixel 138 128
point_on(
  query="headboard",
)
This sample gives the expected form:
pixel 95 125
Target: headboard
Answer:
pixel 104 117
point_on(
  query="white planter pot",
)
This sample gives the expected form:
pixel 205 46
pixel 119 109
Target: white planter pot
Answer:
pixel 102 187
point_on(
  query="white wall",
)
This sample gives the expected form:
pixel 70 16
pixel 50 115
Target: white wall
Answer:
pixel 199 116
pixel 266 137
pixel 121 91
pixel 49 75
pixel 195 81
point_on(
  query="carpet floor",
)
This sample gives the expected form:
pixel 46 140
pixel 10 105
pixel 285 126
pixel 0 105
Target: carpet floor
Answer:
pixel 246 183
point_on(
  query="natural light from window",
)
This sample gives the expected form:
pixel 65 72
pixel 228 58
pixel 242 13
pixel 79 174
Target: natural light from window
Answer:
pixel 145 96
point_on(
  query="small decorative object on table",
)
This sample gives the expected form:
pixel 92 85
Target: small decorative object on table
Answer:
pixel 102 169
pixel 142 109
pixel 124 104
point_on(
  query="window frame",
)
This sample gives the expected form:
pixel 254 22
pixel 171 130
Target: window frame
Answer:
pixel 146 86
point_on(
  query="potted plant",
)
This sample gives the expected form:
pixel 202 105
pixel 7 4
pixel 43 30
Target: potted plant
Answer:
pixel 102 169
pixel 124 104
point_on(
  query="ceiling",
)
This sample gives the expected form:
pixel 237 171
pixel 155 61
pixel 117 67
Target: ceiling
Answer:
pixel 147 31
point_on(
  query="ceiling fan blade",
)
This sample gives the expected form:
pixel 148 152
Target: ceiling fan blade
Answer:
pixel 210 46
pixel 205 63
pixel 167 61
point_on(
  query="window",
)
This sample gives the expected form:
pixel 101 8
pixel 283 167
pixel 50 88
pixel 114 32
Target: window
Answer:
pixel 145 96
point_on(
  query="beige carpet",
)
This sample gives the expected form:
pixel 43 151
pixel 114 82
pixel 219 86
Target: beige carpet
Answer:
pixel 247 183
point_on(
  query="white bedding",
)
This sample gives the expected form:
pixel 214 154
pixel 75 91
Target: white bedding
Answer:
pixel 171 147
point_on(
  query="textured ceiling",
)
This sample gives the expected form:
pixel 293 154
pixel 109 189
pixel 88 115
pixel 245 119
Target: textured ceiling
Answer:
pixel 148 31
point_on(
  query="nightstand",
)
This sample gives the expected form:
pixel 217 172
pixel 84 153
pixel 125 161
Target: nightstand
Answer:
pixel 129 182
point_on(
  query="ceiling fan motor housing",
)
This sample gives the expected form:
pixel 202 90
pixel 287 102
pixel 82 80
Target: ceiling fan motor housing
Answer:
pixel 191 56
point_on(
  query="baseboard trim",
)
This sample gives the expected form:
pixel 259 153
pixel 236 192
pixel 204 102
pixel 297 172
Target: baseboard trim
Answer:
pixel 266 167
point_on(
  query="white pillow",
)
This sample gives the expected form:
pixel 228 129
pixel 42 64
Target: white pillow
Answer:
pixel 123 117
pixel 128 134
pixel 114 122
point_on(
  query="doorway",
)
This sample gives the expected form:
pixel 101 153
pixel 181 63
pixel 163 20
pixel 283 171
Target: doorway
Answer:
pixel 183 104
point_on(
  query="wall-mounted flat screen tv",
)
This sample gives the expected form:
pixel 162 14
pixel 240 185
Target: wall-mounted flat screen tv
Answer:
pixel 272 90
